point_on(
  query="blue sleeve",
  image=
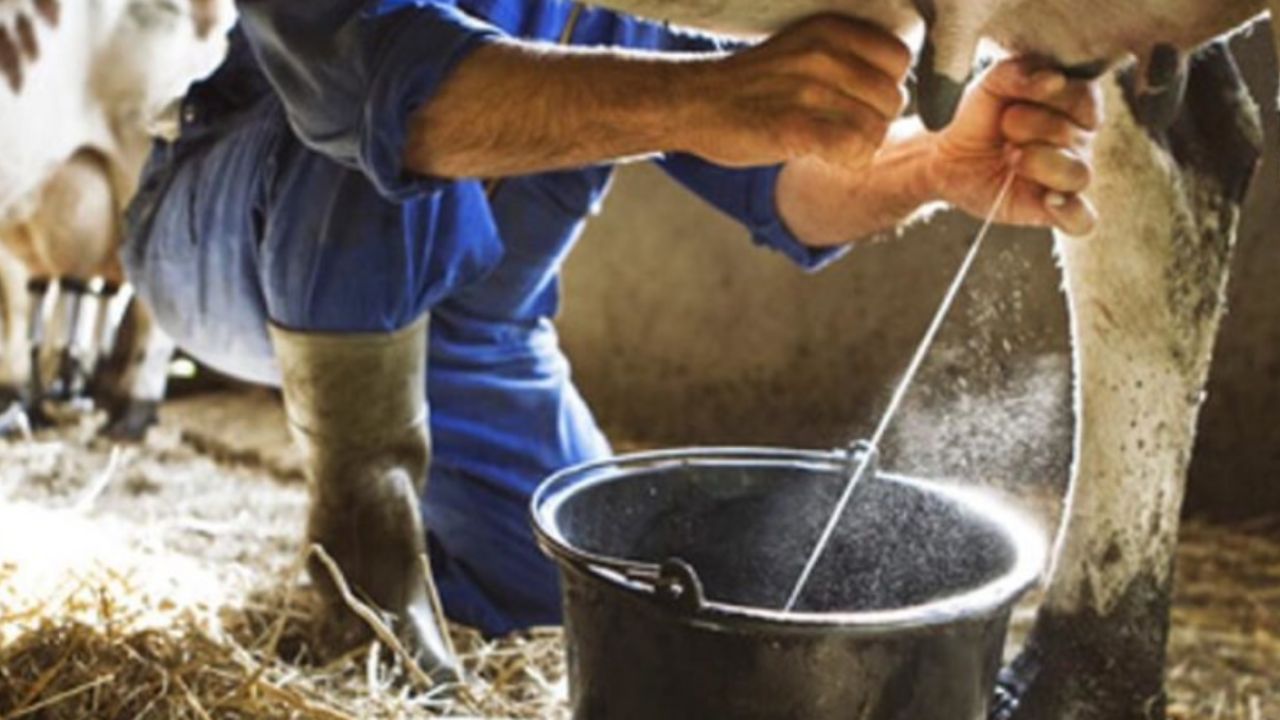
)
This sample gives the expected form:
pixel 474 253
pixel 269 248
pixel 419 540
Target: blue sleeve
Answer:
pixel 681 39
pixel 747 195
pixel 352 72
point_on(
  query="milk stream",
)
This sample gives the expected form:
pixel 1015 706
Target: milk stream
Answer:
pixel 922 351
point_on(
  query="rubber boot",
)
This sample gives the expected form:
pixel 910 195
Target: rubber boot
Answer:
pixel 357 406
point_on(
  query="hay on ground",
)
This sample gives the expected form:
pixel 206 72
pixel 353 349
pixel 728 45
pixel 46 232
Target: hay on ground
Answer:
pixel 169 587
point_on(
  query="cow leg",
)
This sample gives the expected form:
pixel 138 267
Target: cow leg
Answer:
pixel 13 322
pixel 1146 292
pixel 29 389
pixel 132 375
pixel 15 360
pixel 73 234
pixel 74 314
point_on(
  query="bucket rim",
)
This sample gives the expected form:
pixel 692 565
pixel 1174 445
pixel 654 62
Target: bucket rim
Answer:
pixel 1027 542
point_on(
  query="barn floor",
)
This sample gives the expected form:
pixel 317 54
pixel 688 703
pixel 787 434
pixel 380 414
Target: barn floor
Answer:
pixel 162 581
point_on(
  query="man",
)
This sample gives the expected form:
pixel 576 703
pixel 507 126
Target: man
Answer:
pixel 323 202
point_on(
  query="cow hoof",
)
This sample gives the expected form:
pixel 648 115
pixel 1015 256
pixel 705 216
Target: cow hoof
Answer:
pixel 130 420
pixel 1028 690
pixel 15 421
pixel 372 530
pixel 19 417
pixel 1011 688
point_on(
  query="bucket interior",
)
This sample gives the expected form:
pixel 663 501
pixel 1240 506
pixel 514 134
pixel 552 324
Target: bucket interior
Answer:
pixel 747 528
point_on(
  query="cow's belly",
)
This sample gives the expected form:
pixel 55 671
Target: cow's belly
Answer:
pixel 753 17
pixel 1070 31
pixel 1077 31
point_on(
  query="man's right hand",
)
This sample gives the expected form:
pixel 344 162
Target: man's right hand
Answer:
pixel 828 86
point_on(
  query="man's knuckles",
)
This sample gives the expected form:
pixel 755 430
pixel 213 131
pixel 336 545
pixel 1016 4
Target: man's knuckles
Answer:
pixel 878 47
pixel 1055 168
pixel 854 77
pixel 1019 80
pixel 1024 123
pixel 815 96
pixel 849 136
pixel 1078 100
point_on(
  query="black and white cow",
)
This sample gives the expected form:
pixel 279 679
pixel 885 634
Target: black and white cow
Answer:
pixel 1146 293
pixel 82 86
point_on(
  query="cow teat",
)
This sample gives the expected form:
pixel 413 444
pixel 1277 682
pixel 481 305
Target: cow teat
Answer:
pixel 1161 85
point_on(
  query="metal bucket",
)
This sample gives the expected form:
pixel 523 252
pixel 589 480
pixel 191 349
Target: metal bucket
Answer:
pixel 673 565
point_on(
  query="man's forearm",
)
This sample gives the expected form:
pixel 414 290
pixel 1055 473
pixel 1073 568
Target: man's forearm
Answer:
pixel 825 205
pixel 827 86
pixel 513 108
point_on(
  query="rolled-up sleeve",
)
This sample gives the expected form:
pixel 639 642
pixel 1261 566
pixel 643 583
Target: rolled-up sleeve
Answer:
pixel 748 196
pixel 351 73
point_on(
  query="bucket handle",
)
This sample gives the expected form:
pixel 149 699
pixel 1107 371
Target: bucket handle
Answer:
pixel 678 585
pixel 854 454
pixel 674 582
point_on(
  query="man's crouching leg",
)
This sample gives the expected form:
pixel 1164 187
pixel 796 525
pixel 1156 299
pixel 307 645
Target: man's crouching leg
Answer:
pixel 357 405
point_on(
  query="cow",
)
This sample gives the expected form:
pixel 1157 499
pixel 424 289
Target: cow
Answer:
pixel 1081 36
pixel 1145 292
pixel 81 92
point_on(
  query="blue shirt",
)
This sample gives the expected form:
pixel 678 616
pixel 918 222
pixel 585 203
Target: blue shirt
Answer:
pixel 349 75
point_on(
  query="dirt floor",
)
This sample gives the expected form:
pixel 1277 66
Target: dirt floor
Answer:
pixel 162 581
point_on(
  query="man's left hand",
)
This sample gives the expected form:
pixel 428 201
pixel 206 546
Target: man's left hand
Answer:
pixel 1035 121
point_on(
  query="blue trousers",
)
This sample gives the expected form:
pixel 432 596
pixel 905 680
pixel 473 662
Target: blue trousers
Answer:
pixel 518 588
pixel 243 226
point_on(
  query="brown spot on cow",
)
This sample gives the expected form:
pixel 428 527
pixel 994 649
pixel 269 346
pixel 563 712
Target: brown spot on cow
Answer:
pixel 50 10
pixel 205 14
pixel 10 60
pixel 1112 555
pixel 27 37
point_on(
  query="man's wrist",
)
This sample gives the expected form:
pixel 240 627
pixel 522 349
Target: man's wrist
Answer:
pixel 685 111
pixel 922 179
pixel 826 205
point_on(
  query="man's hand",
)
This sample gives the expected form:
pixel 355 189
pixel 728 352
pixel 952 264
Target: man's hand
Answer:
pixel 828 86
pixel 1036 122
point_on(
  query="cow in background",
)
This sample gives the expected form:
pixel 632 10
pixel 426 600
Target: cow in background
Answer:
pixel 83 86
